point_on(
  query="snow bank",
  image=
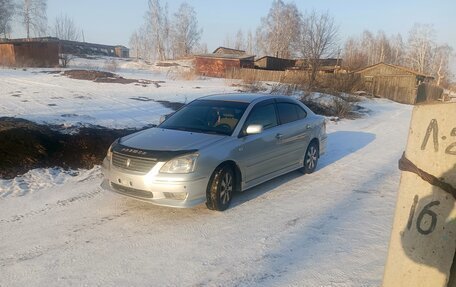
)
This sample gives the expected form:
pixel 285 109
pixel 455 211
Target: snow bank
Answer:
pixel 41 179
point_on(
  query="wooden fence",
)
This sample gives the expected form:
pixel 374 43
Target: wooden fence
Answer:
pixel 254 75
pixel 287 76
pixel 399 88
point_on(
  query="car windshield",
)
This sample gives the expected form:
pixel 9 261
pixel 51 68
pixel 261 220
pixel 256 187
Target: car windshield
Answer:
pixel 207 116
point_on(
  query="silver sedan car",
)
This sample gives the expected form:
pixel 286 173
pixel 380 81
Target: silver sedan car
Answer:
pixel 214 146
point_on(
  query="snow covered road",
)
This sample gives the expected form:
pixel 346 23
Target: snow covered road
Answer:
pixel 330 228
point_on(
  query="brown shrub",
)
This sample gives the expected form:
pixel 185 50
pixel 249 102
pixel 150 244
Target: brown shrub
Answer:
pixel 346 83
pixel 183 74
pixel 341 108
pixel 284 89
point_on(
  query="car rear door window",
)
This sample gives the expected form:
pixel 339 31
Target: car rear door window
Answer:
pixel 301 112
pixel 287 113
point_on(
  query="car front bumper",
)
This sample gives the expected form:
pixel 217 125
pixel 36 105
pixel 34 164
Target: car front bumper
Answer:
pixel 181 191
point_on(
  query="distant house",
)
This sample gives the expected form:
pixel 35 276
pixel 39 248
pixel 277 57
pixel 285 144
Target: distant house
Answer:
pixel 122 51
pixel 44 52
pixel 398 83
pixel 274 63
pixel 228 51
pixel 216 65
pixel 84 48
pixel 330 65
pixel 29 52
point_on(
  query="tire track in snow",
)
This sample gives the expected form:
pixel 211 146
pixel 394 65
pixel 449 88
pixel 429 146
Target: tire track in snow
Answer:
pixel 81 197
pixel 73 237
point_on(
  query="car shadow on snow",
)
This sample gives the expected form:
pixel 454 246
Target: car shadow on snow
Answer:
pixel 343 143
pixel 340 145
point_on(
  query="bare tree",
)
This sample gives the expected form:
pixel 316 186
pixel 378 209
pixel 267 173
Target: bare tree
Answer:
pixel 167 31
pixel 158 27
pixel 318 39
pixel 228 41
pixel 201 49
pixel 440 64
pixel 239 42
pixel 65 28
pixel 141 43
pixel 135 45
pixel 186 33
pixel 7 10
pixel 368 44
pixel 397 50
pixel 250 44
pixel 354 55
pixel 278 34
pixel 370 50
pixel 382 48
pixel 420 44
pixel 34 16
pixel 260 42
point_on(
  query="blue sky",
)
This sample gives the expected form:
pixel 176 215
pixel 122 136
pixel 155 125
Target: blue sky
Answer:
pixel 113 21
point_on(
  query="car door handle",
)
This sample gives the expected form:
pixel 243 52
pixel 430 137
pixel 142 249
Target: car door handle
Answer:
pixel 308 126
pixel 279 136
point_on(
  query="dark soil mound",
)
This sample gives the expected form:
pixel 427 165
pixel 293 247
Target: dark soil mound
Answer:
pixel 25 145
pixel 106 77
pixel 89 75
pixel 167 64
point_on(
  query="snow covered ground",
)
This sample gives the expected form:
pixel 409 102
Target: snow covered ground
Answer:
pixel 56 99
pixel 330 228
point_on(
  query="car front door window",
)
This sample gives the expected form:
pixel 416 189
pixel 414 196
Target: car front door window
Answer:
pixel 264 115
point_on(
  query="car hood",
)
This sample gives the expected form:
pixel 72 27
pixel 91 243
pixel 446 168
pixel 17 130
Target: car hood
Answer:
pixel 158 139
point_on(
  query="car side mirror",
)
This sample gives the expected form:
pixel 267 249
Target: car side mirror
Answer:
pixel 254 129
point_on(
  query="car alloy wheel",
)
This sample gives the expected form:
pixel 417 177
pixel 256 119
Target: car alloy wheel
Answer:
pixel 311 158
pixel 220 188
pixel 226 188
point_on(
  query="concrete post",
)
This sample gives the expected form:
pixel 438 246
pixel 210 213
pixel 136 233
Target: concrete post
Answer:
pixel 423 239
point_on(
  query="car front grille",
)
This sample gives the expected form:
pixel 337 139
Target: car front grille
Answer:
pixel 143 165
pixel 132 191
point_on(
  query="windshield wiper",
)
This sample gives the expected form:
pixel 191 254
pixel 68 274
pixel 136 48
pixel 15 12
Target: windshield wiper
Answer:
pixel 197 130
pixel 216 132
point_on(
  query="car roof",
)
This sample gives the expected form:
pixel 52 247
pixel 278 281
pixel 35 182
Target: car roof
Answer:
pixel 239 97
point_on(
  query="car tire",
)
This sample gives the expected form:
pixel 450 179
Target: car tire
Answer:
pixel 311 158
pixel 220 188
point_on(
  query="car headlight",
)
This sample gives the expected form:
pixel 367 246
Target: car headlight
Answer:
pixel 109 153
pixel 183 164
